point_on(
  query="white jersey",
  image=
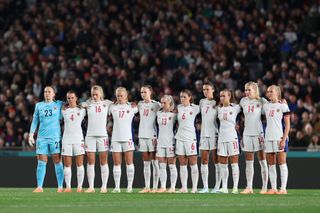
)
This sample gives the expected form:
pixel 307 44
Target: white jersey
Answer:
pixel 227 117
pixel 186 119
pixel 122 121
pixel 148 113
pixel 73 118
pixel 166 121
pixel 274 113
pixel 208 118
pixel 252 109
pixel 97 117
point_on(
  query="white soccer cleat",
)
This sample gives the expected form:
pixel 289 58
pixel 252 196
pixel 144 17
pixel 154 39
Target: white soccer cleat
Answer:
pixel 215 191
pixel 129 190
pixel 247 191
pixel 223 191
pixel 203 191
pixel 235 191
pixel 116 190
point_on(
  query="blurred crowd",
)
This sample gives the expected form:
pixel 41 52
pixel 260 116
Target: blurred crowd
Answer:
pixel 171 45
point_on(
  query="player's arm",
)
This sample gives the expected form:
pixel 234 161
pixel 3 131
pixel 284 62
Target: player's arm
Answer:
pixel 286 130
pixel 34 125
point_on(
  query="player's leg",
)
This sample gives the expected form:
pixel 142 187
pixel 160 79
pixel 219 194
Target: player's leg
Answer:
pixel 103 159
pixel 204 170
pixel 235 173
pixel 183 173
pixel 194 172
pixel 271 159
pixel 59 170
pixel 41 171
pixel 224 172
pixel 130 169
pixel 283 172
pixel 249 173
pixel 91 148
pixel 264 170
pixel 155 165
pixel 163 173
pixel 217 171
pixel 143 148
pixel 117 158
pixel 173 174
pixel 80 171
pixel 67 161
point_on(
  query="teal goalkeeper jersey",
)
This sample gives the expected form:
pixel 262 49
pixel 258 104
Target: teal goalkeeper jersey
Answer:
pixel 47 116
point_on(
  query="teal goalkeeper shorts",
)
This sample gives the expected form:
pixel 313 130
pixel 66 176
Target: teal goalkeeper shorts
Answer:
pixel 46 146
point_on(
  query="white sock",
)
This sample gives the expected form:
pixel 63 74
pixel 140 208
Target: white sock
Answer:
pixel 130 175
pixel 67 176
pixel 80 175
pixel 218 176
pixel 90 174
pixel 235 175
pixel 249 173
pixel 146 173
pixel 224 175
pixel 284 175
pixel 155 168
pixel 264 174
pixel 117 176
pixel 204 175
pixel 163 175
pixel 194 176
pixel 184 176
pixel 173 175
pixel 273 176
pixel 104 175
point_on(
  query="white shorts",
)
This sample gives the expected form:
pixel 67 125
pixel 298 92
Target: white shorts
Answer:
pixel 227 149
pixel 207 143
pixel 272 147
pixel 72 149
pixel 96 143
pixel 252 143
pixel 186 148
pixel 166 152
pixel 122 146
pixel 147 144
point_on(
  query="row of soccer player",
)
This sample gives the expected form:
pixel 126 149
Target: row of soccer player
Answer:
pixel 161 148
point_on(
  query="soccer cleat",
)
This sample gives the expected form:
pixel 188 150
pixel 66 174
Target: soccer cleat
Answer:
pixel 67 190
pixel 162 190
pixel 223 191
pixel 182 191
pixel 203 191
pixel 263 191
pixel 129 190
pixel 103 190
pixel 145 190
pixel 37 190
pixel 247 191
pixel 90 190
pixel 171 190
pixel 153 191
pixel 79 190
pixel 193 191
pixel 60 190
pixel 271 192
pixel 116 190
pixel 215 191
pixel 282 192
pixel 235 191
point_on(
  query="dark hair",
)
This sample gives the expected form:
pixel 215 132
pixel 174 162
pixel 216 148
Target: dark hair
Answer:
pixel 188 92
pixel 210 84
pixel 72 92
pixel 231 95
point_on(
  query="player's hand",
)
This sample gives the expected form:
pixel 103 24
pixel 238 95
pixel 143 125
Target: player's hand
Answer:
pixel 282 144
pixel 31 139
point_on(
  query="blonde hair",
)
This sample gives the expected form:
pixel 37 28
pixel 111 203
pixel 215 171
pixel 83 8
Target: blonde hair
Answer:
pixel 254 86
pixel 171 101
pixel 278 89
pixel 98 88
pixel 122 89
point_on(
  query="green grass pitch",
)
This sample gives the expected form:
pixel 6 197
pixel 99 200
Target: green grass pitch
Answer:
pixel 23 200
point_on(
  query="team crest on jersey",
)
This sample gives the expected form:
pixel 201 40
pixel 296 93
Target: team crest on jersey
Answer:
pixel 78 113
pixel 278 110
pixel 169 118
pixel 190 113
pixel 54 108
pixel 230 113
pixel 104 105
pixel 258 105
pixel 151 109
pixel 128 111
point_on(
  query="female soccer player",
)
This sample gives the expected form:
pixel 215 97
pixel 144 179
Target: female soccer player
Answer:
pixel 122 142
pixel 186 144
pixel 97 137
pixel 228 146
pixel 276 140
pixel 148 109
pixel 253 140
pixel 46 117
pixel 166 119
pixel 72 140
pixel 208 137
